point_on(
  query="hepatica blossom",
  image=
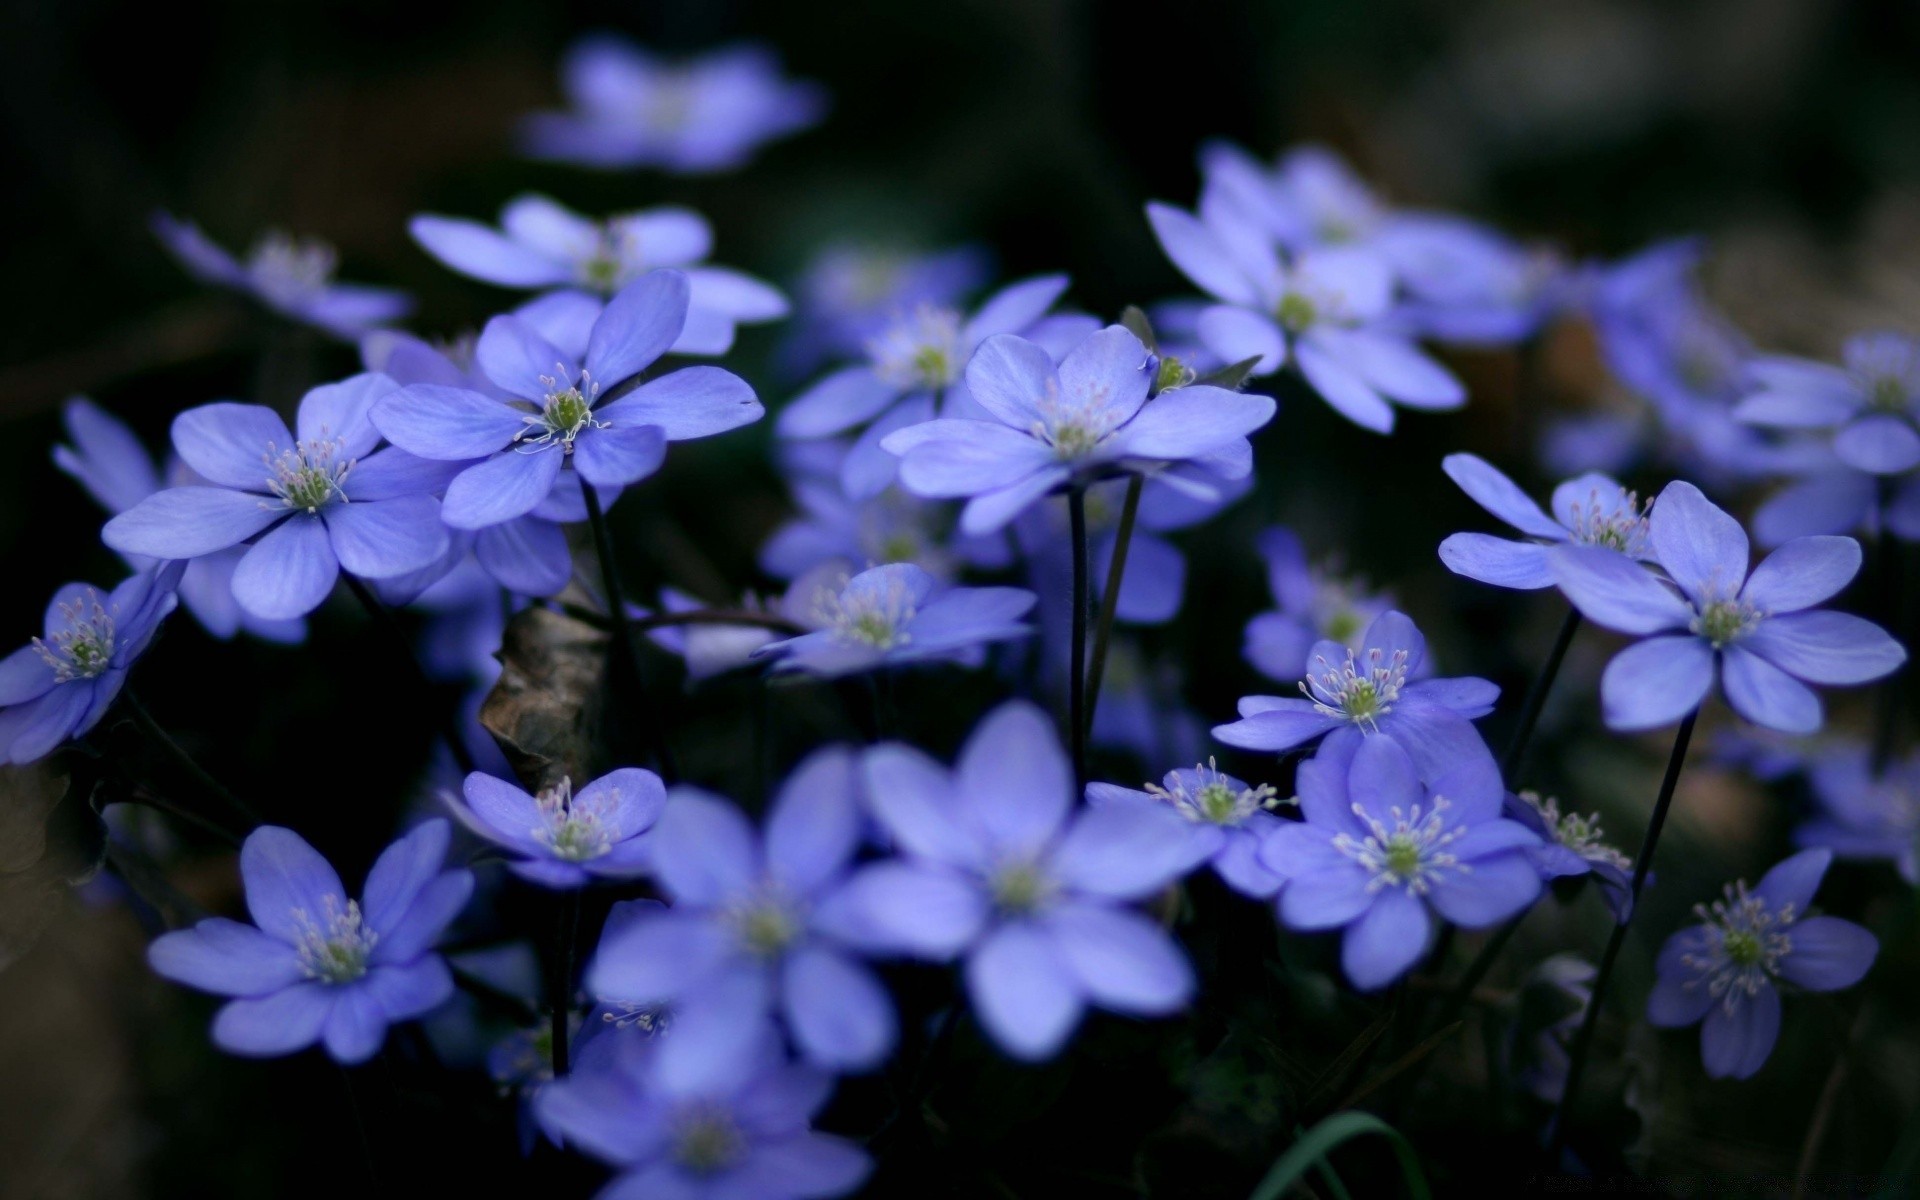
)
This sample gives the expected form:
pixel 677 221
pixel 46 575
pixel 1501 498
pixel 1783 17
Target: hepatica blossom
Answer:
pixel 1379 854
pixel 578 262
pixel 567 839
pixel 850 292
pixel 1591 510
pixel 758 923
pixel 560 414
pixel 310 505
pixel 632 108
pixel 1759 634
pixel 1311 605
pixel 59 686
pixel 1864 815
pixel 1724 974
pixel 316 966
pixel 998 868
pixel 1351 694
pixel 1055 427
pixel 897 614
pixel 293 277
pixel 1571 846
pixel 1227 818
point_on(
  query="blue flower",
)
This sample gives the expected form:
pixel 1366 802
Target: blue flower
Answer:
pixel 1757 634
pixel 578 262
pixel 851 291
pixel 523 451
pixel 1378 855
pixel 312 505
pixel 1871 403
pixel 1571 846
pixel 1863 815
pixel 913 372
pixel 1227 821
pixel 894 615
pixel 997 867
pixel 758 923
pixel 564 839
pixel 315 966
pixel 1324 308
pixel 1052 428
pixel 630 108
pixel 109 461
pixel 1831 497
pixel 1141 711
pixel 59 686
pixel 681 1119
pixel 1353 694
pixel 1591 510
pixel 1310 605
pixel 293 278
pixel 1725 972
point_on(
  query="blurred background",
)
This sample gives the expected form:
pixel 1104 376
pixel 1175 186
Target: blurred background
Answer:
pixel 1786 131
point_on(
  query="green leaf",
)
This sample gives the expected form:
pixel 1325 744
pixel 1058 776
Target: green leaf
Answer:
pixel 1233 376
pixel 1313 1147
pixel 1137 324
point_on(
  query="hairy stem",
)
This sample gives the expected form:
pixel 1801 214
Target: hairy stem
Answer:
pixel 1537 697
pixel 1110 598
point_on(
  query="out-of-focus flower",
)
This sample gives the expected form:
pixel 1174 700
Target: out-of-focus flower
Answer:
pixel 566 839
pixel 1591 510
pixel 897 614
pixel 292 277
pixel 61 684
pixel 1571 845
pixel 1311 605
pixel 851 290
pixel 316 966
pixel 1863 815
pixel 1758 634
pixel 1227 818
pixel 631 108
pixel 1724 973
pixel 579 262
pixel 312 505
pixel 1378 854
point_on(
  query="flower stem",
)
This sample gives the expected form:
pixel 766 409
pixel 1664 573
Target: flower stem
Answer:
pixel 384 617
pixel 622 625
pixel 561 1001
pixel 185 761
pixel 1110 598
pixel 1077 666
pixel 1583 1038
pixel 1537 696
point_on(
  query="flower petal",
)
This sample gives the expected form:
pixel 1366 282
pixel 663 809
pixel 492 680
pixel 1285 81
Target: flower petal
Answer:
pixel 448 423
pixel 1802 573
pixel 1766 695
pixel 1386 941
pixel 638 325
pixel 1026 998
pixel 1613 590
pixel 379 539
pixel 1826 647
pixel 1488 487
pixel 187 522
pixel 1656 682
pixel 1701 547
pixel 288 572
pixel 693 402
pixel 226 958
pixel 1013 781
pixel 278 1023
pixel 508 485
pixel 841 1017
pixel 228 444
pixel 1828 954
pixel 1735 1041
pixel 1122 960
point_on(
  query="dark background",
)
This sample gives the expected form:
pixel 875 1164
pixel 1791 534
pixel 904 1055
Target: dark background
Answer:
pixel 1787 131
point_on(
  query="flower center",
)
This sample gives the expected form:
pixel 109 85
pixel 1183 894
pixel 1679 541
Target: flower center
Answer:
pixel 920 350
pixel 612 262
pixel 767 923
pixel 1888 393
pixel 1747 942
pixel 667 104
pixel 336 949
pixel 1362 697
pixel 707 1142
pixel 1580 834
pixel 1019 888
pixel 875 617
pixel 1723 621
pixel 574 831
pixel 1296 312
pixel 1410 853
pixel 308 476
pixel 1622 526
pixel 84 649
pixel 1074 428
pixel 566 413
pixel 288 268
pixel 1218 799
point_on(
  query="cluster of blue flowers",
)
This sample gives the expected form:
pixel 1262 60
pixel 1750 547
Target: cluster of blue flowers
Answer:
pixel 746 965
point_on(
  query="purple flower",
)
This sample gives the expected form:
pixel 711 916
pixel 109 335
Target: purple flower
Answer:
pixel 312 506
pixel 758 922
pixel 1863 815
pixel 292 277
pixel 1571 846
pixel 61 684
pixel 1052 428
pixel 1227 820
pixel 316 966
pixel 680 1119
pixel 851 291
pixel 1725 972
pixel 1323 308
pixel 564 839
pixel 1757 634
pixel 1141 711
pixel 1378 854
pixel 1355 694
pixel 109 461
pixel 1835 498
pixel 998 868
pixel 1591 510
pixel 1311 605
pixel 579 262
pixel 894 615
pixel 631 108
pixel 1872 402
pixel 710 649
pixel 523 451
pixel 913 372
